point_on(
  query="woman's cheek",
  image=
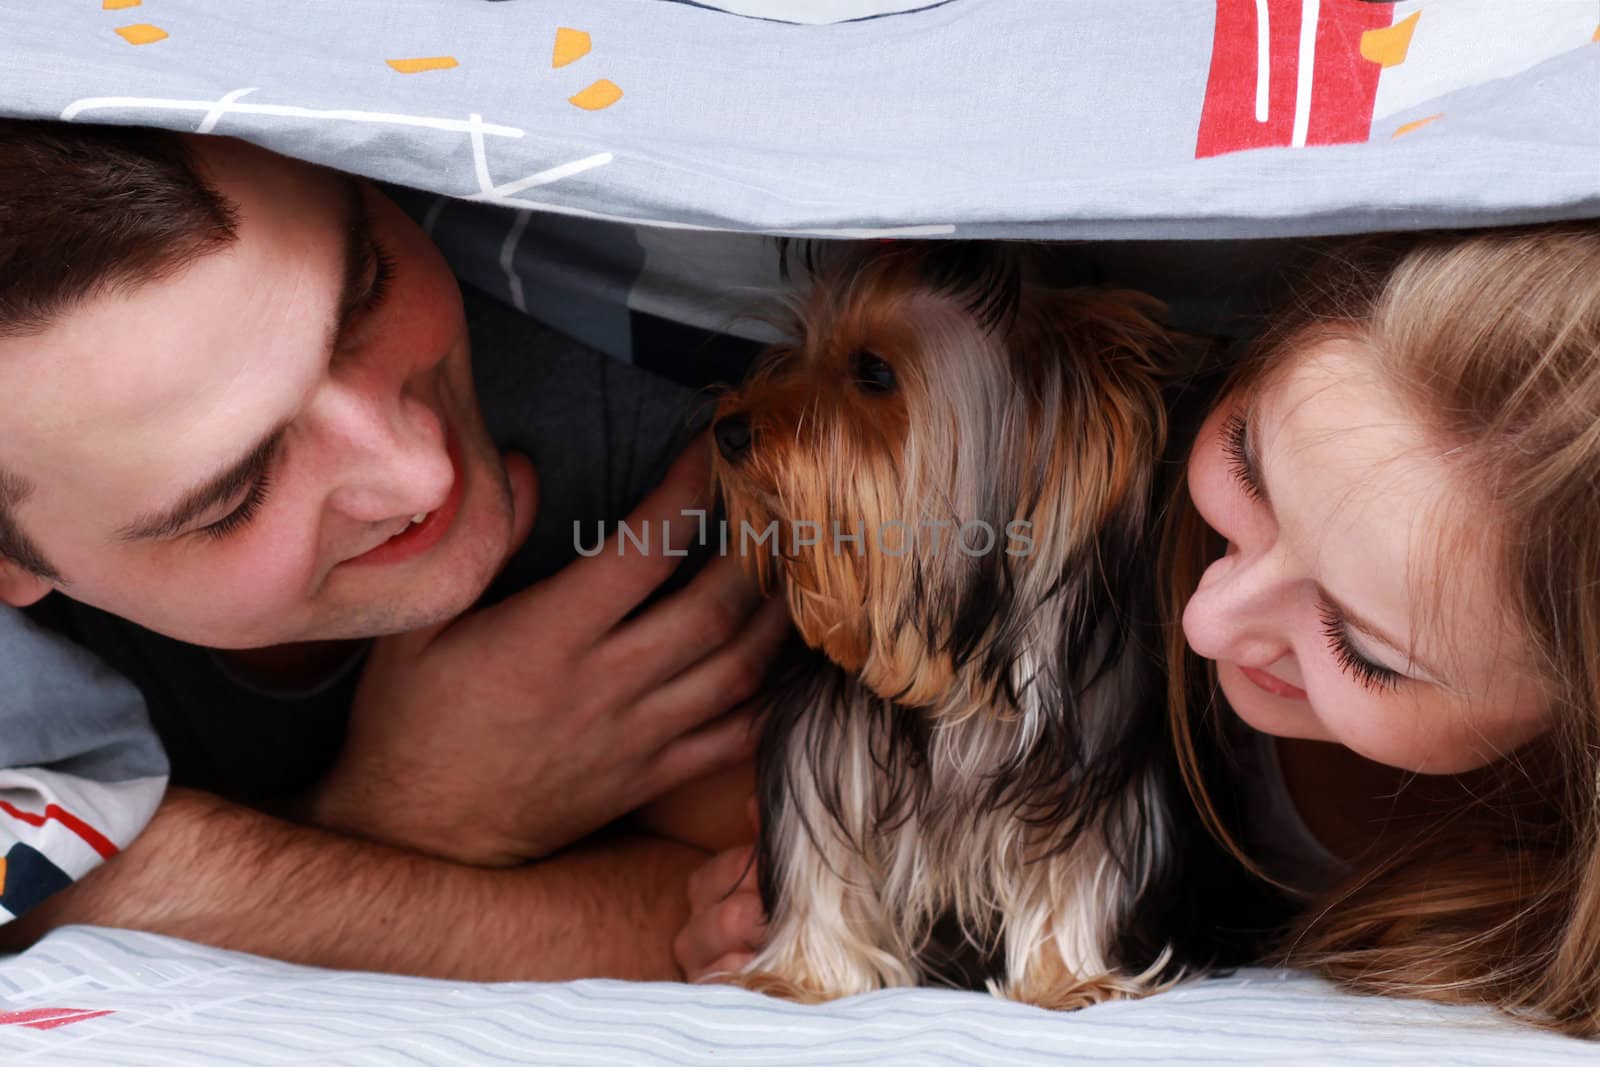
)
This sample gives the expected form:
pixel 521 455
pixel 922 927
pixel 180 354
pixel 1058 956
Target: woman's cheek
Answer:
pixel 1377 726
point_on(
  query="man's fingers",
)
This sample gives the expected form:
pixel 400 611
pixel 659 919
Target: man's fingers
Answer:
pixel 721 938
pixel 733 927
pixel 523 481
pixel 716 746
pixel 706 624
pixel 722 970
pixel 721 875
pixel 728 677
pixel 597 591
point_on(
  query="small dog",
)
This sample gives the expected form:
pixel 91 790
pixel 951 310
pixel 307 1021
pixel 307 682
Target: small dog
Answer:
pixel 952 474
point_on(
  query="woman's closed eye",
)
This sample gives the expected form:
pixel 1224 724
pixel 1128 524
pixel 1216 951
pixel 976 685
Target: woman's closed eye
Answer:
pixel 1243 465
pixel 1241 460
pixel 1351 660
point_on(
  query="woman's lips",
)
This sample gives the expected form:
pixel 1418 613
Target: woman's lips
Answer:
pixel 417 538
pixel 1273 684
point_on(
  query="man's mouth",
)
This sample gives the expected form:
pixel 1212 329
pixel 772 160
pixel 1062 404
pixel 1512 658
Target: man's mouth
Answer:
pixel 424 530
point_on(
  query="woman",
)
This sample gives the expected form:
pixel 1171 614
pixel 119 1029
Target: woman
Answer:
pixel 1387 566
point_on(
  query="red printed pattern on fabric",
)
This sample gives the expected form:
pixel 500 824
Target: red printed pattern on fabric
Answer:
pixel 92 837
pixel 48 1018
pixel 1275 86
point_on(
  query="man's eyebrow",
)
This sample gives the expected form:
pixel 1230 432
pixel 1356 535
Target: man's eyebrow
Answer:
pixel 220 489
pixel 233 480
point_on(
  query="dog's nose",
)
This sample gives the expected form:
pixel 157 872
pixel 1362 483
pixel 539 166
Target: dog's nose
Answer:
pixel 733 436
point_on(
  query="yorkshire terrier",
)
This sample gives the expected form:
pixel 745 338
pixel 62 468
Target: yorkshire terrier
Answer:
pixel 952 472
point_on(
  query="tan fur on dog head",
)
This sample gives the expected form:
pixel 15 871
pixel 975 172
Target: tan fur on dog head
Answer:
pixel 1031 413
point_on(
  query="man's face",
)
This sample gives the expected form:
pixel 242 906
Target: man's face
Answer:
pixel 207 460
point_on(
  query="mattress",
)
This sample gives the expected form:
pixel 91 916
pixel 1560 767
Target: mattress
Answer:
pixel 91 997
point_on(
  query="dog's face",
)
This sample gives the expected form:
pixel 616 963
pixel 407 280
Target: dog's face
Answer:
pixel 939 446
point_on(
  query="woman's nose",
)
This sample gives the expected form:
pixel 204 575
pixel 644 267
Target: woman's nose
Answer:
pixel 1238 612
pixel 391 454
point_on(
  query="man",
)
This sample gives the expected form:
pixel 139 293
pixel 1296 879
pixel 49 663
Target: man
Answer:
pixel 243 436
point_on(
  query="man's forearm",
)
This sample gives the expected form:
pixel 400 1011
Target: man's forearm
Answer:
pixel 229 876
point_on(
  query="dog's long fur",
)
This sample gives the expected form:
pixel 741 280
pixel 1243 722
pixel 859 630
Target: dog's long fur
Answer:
pixel 973 788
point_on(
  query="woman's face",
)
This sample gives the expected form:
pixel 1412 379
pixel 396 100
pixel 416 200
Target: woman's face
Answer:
pixel 1354 602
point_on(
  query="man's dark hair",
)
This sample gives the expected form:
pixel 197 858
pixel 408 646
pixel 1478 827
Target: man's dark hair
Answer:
pixel 84 210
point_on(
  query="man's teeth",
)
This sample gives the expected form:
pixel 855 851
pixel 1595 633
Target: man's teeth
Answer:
pixel 418 517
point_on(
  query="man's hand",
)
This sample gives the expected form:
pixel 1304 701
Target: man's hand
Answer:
pixel 707 813
pixel 509 733
pixel 727 923
pixel 229 876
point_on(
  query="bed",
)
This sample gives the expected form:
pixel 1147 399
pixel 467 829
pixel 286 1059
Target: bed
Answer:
pixel 87 997
pixel 615 167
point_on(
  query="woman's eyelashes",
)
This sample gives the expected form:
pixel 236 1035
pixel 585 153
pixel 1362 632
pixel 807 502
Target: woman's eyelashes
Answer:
pixel 1242 464
pixel 1370 675
pixel 1236 447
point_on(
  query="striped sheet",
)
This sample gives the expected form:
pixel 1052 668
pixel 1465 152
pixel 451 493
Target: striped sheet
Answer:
pixel 89 997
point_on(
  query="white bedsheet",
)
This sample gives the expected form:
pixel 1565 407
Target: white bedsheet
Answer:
pixel 110 998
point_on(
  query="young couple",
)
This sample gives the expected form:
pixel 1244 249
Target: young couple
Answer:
pixel 246 445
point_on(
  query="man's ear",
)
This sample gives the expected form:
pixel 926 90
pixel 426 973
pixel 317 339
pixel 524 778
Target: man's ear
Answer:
pixel 19 587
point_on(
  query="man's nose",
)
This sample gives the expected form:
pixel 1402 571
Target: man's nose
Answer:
pixel 1240 611
pixel 392 458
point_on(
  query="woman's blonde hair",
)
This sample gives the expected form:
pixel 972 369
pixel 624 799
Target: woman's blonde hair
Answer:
pixel 1491 339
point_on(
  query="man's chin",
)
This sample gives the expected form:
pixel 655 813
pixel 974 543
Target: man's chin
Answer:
pixel 395 618
pixel 421 598
pixel 377 601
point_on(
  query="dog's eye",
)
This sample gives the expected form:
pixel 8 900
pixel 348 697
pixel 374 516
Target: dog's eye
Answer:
pixel 873 375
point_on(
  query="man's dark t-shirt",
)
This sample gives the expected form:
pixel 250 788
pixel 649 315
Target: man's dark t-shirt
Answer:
pixel 600 433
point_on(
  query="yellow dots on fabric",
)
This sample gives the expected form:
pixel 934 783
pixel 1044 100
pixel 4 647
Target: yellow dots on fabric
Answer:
pixel 1388 47
pixel 118 5
pixel 141 33
pixel 601 94
pixel 422 63
pixel 571 46
pixel 1401 131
